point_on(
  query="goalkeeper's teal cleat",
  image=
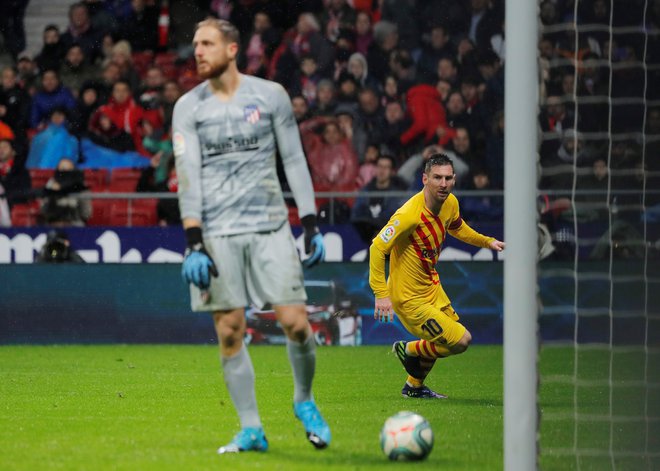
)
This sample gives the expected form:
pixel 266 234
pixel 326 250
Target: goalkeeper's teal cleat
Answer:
pixel 248 439
pixel 317 429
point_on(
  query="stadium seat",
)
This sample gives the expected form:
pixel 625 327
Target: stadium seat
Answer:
pixel 166 62
pixel 146 203
pixel 40 176
pixel 165 58
pixel 100 212
pixel 170 71
pixel 294 220
pixel 124 180
pixel 25 214
pixel 96 179
pixel 132 215
pixel 142 60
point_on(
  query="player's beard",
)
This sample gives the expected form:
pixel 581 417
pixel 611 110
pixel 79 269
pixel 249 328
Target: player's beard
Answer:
pixel 212 71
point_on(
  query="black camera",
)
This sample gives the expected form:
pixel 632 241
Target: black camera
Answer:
pixel 57 248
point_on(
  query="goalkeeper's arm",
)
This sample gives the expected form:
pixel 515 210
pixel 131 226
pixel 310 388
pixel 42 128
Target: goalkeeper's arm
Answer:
pixel 297 174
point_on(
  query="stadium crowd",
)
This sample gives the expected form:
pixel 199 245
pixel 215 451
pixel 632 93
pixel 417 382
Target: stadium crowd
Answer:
pixel 367 78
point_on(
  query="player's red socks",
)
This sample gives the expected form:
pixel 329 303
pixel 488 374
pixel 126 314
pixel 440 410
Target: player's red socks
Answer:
pixel 427 350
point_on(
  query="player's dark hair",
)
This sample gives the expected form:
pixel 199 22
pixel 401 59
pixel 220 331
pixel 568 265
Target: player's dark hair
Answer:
pixel 228 31
pixel 438 160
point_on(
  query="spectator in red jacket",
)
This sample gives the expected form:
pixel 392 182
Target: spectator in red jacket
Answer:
pixel 332 160
pixel 424 104
pixel 124 113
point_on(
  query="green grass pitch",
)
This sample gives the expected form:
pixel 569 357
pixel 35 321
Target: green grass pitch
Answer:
pixel 165 407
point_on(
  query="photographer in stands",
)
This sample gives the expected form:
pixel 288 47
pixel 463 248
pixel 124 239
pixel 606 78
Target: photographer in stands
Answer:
pixel 57 249
pixel 60 207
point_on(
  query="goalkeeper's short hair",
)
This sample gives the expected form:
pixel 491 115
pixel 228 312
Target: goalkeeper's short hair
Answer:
pixel 228 31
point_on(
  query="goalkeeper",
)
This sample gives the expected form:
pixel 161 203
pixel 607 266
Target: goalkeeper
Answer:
pixel 240 248
pixel 413 238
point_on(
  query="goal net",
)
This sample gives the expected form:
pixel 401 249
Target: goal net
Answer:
pixel 599 200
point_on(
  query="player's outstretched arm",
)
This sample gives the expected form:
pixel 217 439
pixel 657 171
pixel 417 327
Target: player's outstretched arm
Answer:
pixel 463 232
pixel 497 245
pixel 314 246
pixel 198 266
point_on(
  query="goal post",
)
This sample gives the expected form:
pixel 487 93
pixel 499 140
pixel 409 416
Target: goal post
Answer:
pixel 520 234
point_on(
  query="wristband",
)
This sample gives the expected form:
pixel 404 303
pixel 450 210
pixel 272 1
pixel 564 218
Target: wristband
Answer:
pixel 194 237
pixel 309 223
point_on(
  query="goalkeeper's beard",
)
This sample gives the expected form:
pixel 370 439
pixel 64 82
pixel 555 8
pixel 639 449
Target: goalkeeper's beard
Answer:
pixel 212 71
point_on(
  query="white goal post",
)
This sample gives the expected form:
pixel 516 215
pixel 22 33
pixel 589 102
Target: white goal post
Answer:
pixel 520 234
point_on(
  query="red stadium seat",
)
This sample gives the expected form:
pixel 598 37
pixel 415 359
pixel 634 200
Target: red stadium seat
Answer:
pixel 100 212
pixel 146 203
pixel 124 180
pixel 145 211
pixel 142 60
pixel 25 214
pixel 166 62
pixel 96 179
pixel 40 176
pixel 294 220
pixel 170 71
pixel 165 58
pixel 132 215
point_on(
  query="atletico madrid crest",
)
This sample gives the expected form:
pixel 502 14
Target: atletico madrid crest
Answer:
pixel 251 113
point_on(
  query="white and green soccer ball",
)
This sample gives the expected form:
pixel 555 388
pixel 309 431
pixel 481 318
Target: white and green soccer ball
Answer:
pixel 406 436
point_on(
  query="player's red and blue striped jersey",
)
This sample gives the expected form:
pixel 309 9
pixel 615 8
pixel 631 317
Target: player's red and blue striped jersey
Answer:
pixel 413 238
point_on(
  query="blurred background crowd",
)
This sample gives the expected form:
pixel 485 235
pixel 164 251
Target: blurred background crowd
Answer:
pixel 376 87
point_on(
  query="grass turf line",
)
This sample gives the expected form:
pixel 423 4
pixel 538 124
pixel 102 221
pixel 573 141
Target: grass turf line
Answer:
pixel 161 407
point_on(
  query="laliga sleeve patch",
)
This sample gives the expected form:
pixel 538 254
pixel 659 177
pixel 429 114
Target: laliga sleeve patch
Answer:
pixel 387 234
pixel 178 144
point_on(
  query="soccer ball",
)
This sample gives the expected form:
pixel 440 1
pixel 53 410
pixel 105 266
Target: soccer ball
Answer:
pixel 406 436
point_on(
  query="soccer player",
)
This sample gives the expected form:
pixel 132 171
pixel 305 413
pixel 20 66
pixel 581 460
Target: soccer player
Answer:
pixel 240 249
pixel 413 238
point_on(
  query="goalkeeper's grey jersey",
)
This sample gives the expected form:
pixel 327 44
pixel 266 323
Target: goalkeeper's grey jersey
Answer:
pixel 225 158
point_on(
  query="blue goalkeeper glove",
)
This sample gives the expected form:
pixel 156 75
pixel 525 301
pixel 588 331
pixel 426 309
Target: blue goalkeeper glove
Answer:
pixel 313 241
pixel 198 266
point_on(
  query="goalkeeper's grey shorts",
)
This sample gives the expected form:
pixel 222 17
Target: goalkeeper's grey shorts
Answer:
pixel 258 269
